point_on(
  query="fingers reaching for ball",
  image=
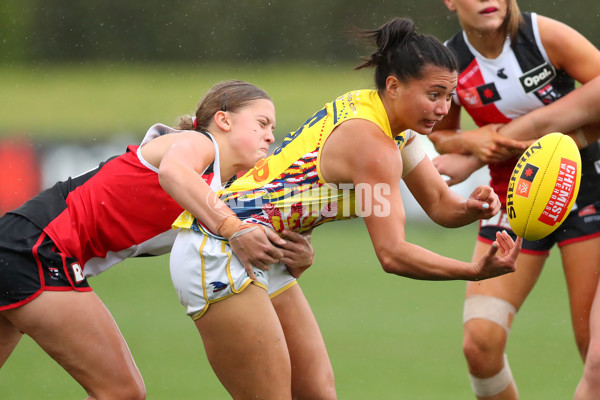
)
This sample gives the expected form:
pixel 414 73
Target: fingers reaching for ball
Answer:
pixel 501 258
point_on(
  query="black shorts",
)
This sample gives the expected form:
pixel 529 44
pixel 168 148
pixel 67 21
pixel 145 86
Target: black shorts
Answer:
pixel 581 224
pixel 30 263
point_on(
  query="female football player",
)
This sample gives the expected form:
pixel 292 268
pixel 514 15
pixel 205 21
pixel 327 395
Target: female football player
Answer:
pixel 344 161
pixel 510 64
pixel 84 225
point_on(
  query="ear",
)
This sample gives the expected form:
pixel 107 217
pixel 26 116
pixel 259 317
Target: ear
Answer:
pixel 221 118
pixel 450 5
pixel 392 85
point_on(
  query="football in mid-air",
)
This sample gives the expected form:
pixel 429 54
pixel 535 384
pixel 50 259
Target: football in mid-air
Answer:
pixel 543 186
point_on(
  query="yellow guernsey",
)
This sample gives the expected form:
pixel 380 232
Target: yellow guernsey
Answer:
pixel 286 189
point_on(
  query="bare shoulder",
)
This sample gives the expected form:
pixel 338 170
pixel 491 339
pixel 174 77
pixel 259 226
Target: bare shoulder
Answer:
pixel 186 144
pixel 355 133
pixel 568 49
pixel 358 147
pixel 559 37
pixel 555 34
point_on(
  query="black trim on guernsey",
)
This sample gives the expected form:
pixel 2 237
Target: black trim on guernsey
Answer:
pixel 46 206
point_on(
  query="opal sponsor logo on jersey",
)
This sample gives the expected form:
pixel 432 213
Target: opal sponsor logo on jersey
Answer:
pixel 514 182
pixel 537 77
pixel 562 194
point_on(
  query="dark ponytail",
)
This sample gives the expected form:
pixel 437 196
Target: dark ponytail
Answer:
pixel 403 53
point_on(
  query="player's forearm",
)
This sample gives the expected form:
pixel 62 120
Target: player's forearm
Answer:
pixel 444 206
pixel 416 262
pixel 578 108
pixel 190 191
pixel 531 126
pixel 453 213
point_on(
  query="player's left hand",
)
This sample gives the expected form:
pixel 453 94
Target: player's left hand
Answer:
pixel 256 246
pixel 500 259
pixel 484 202
pixel 298 253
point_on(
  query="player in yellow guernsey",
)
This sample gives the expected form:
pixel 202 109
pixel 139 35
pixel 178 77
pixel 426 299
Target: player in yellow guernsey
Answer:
pixel 286 190
pixel 347 160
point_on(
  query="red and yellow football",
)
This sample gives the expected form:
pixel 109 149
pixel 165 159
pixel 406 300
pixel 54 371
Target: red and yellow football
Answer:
pixel 543 186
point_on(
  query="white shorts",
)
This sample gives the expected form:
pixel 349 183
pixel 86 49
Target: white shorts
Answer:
pixel 204 271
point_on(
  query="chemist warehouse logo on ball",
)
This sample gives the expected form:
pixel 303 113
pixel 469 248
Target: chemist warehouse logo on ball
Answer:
pixel 562 194
pixel 526 179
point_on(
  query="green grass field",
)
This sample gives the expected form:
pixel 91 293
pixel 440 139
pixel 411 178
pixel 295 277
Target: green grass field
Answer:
pixel 388 337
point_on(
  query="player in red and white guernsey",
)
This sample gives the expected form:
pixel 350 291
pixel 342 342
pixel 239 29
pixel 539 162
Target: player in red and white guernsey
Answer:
pixel 84 225
pixel 512 63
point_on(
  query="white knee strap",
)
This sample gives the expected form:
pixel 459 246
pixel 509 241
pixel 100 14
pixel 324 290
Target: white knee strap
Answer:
pixel 490 308
pixel 486 387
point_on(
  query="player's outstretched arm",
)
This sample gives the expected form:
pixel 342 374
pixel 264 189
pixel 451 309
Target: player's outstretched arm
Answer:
pixel 443 205
pixel 379 168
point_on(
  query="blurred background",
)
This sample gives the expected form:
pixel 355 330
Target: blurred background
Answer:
pixel 80 80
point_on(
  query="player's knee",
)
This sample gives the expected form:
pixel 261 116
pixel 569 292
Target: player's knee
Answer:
pixel 483 339
pixel 327 388
pixel 487 321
